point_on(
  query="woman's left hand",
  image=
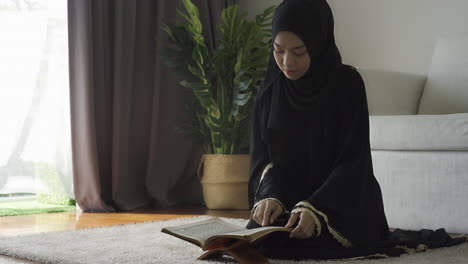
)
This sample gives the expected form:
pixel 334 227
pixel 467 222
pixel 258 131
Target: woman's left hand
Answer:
pixel 305 227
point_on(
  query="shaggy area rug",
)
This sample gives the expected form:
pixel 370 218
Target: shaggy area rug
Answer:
pixel 144 243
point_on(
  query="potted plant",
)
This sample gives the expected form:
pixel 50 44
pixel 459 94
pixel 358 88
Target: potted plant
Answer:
pixel 222 83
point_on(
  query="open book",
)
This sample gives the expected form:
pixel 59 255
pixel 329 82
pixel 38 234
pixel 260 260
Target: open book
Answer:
pixel 204 233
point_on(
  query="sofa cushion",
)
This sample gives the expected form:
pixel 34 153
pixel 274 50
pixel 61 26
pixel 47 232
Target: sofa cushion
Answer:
pixel 446 90
pixel 392 93
pixel 419 132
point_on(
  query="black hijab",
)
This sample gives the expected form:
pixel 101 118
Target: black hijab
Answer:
pixel 312 21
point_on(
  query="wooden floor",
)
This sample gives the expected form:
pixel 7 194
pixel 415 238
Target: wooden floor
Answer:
pixel 31 224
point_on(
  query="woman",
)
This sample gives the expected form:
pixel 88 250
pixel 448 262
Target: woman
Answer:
pixel 311 165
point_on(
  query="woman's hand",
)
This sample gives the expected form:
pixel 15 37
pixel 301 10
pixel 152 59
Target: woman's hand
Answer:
pixel 267 212
pixel 305 228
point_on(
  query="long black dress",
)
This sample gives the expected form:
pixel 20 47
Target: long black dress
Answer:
pixel 324 158
pixel 310 141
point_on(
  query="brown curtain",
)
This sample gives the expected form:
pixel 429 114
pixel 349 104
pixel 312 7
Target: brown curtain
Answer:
pixel 125 104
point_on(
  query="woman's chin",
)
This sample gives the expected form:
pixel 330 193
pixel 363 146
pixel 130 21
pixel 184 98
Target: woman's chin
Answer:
pixel 293 76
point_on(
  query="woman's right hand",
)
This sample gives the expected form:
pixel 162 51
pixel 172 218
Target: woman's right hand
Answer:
pixel 267 212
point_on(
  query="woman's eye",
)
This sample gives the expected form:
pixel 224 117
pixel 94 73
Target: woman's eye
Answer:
pixel 300 54
pixel 279 51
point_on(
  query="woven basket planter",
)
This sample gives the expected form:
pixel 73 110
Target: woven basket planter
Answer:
pixel 225 179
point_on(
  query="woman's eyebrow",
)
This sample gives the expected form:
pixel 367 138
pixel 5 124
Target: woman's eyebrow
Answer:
pixel 298 47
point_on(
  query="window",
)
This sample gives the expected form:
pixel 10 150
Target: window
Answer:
pixel 35 143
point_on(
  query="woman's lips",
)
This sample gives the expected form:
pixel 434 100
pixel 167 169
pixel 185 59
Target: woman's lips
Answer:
pixel 290 72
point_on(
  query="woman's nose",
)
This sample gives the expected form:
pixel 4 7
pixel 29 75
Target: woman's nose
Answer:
pixel 288 61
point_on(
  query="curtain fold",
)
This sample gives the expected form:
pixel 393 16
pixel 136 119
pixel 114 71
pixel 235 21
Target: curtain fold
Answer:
pixel 125 105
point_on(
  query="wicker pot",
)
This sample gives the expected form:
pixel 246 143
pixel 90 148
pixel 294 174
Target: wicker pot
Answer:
pixel 225 179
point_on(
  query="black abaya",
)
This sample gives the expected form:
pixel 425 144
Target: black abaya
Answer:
pixel 324 158
pixel 315 134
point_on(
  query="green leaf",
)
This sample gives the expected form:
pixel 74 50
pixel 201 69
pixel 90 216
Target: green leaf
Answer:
pixel 241 99
pixel 244 85
pixel 239 60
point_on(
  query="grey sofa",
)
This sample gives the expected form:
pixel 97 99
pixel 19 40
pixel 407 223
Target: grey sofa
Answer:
pixel 419 140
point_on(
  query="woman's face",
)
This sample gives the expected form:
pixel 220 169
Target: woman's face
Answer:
pixel 291 55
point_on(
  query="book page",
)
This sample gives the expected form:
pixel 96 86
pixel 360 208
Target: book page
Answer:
pixel 253 234
pixel 248 232
pixel 202 230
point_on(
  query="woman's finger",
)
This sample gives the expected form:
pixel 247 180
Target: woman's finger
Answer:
pixel 292 220
pixel 297 232
pixel 305 228
pixel 276 212
pixel 302 227
pixel 258 214
pixel 308 224
pixel 266 214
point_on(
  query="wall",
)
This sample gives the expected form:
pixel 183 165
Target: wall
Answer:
pixel 389 34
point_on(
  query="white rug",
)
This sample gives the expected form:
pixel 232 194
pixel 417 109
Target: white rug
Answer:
pixel 144 243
